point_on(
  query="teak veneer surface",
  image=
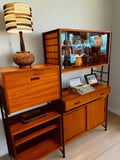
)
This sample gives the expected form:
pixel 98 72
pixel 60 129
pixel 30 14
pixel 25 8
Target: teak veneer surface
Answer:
pixel 40 150
pixel 35 134
pixel 20 127
pixel 74 123
pixel 73 100
pixel 96 113
pixel 82 67
pixel 33 67
pixel 25 88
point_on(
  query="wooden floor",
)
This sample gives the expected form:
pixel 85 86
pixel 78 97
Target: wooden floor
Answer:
pixel 95 145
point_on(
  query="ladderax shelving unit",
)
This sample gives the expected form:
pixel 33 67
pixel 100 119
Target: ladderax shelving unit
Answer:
pixel 73 50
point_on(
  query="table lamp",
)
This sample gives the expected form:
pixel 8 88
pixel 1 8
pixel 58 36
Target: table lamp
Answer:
pixel 18 19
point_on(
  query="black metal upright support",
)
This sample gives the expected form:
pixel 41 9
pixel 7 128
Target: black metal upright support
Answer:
pixel 5 119
pixel 63 143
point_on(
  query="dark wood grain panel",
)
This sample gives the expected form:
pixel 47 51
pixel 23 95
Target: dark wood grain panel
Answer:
pixel 20 127
pixel 96 113
pixel 53 61
pixel 52 55
pixel 31 87
pixel 40 150
pixel 53 41
pixel 74 123
pixel 51 35
pixel 51 48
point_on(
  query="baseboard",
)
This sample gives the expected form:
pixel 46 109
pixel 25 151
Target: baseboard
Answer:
pixel 5 157
pixel 115 110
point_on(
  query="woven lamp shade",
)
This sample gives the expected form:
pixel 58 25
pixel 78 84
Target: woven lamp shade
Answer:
pixel 18 18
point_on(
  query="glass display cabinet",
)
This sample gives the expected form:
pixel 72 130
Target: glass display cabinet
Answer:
pixel 77 49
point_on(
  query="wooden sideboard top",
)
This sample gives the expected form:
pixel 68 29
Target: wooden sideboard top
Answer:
pixel 33 67
pixel 72 100
pixel 68 95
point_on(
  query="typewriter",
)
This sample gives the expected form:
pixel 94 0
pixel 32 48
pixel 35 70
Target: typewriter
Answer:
pixel 77 87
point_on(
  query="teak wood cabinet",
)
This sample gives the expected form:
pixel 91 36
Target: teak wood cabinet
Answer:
pixel 69 115
pixel 74 123
pixel 74 50
pixel 84 112
pixel 23 89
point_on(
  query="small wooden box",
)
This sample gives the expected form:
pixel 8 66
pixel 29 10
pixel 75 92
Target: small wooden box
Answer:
pixel 25 88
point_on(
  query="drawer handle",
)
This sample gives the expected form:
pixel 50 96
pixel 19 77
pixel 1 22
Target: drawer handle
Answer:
pixel 101 93
pixel 76 103
pixel 35 78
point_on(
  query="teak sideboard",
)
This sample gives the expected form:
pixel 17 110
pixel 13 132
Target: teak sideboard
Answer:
pixel 67 115
pixel 84 112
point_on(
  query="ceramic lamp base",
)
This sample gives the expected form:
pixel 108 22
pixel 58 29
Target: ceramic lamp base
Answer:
pixel 23 59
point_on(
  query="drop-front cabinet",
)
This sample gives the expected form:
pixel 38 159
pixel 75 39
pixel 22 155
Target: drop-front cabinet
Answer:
pixel 25 88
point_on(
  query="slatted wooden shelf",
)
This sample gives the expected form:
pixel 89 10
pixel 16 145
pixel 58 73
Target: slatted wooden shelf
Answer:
pixel 35 134
pixel 20 127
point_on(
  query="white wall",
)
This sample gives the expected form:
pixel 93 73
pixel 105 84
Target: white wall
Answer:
pixel 114 99
pixel 47 15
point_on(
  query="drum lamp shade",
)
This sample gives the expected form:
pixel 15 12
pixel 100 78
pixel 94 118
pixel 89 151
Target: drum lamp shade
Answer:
pixel 18 18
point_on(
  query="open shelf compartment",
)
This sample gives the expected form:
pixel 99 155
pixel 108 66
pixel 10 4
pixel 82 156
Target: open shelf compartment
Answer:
pixel 41 149
pixel 37 138
pixel 21 127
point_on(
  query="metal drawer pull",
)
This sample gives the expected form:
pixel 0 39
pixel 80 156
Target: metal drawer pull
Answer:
pixel 101 93
pixel 76 103
pixel 35 78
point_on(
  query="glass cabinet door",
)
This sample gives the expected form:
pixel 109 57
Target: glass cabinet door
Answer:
pixel 83 48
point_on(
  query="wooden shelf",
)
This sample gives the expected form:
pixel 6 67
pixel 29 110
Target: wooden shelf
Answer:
pixel 82 67
pixel 35 134
pixel 39 151
pixel 20 127
pixel 68 95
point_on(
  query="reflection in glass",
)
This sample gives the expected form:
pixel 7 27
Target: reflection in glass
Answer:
pixel 80 48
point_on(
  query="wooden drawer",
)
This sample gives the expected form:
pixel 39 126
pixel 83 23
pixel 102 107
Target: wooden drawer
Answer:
pixel 100 93
pixel 29 88
pixel 76 102
pixel 83 99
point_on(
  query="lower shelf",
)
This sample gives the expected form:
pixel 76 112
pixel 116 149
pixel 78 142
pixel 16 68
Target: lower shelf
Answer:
pixel 35 134
pixel 39 151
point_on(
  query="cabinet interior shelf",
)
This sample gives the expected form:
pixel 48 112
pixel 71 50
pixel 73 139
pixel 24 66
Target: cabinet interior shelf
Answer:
pixel 82 67
pixel 35 134
pixel 20 127
pixel 40 150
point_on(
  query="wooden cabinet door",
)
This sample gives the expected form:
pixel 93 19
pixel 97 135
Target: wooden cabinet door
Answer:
pixel 25 89
pixel 96 113
pixel 74 123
